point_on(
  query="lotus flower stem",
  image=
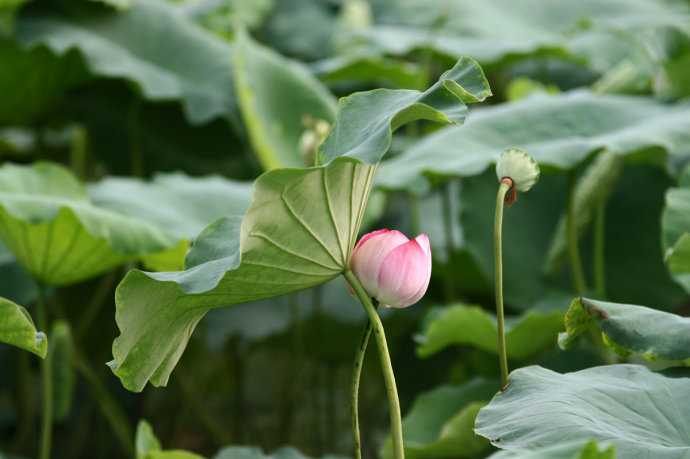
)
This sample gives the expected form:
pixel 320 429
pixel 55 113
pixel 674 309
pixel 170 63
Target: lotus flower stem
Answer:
pixel 503 188
pixel 573 248
pixel 599 245
pixel 386 365
pixel 356 376
pixel 46 381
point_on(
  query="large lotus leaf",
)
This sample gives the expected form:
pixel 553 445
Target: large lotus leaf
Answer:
pixel 151 44
pixel 498 31
pixel 459 325
pixel 560 131
pixel 298 233
pixel 58 235
pixel 179 205
pixel 17 329
pixel 440 422
pixel 275 96
pixel 565 450
pixel 366 121
pixel 676 233
pixel 642 413
pixel 148 446
pixel 656 335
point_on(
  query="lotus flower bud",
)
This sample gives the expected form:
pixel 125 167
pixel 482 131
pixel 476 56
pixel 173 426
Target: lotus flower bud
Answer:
pixel 518 166
pixel 392 268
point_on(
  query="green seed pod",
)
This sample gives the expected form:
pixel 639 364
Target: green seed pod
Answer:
pixel 518 166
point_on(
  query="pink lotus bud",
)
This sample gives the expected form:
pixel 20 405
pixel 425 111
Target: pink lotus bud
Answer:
pixel 393 269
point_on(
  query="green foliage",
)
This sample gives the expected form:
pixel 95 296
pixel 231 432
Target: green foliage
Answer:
pixel 61 357
pixel 675 225
pixel 655 335
pixel 440 422
pixel 59 236
pixel 162 52
pixel 526 335
pixel 560 131
pixel 565 450
pixel 275 96
pixel 366 121
pixel 640 412
pixel 17 329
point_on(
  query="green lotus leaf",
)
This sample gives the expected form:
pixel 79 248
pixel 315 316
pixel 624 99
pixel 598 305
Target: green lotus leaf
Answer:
pixel 370 68
pixel 366 121
pixel 655 335
pixel 440 422
pixel 151 44
pixel 58 235
pixel 276 94
pixel 298 233
pixel 571 126
pixel 564 450
pixel 247 452
pixel 464 325
pixel 17 329
pixel 179 205
pixel 641 413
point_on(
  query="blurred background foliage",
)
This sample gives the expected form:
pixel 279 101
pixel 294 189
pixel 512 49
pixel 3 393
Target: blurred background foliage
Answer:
pixel 146 120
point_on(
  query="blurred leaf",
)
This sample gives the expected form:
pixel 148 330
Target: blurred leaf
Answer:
pixel 440 422
pixel 247 452
pixel 372 69
pixel 34 81
pixel 523 87
pixel 45 215
pixel 179 205
pixel 655 335
pixel 559 131
pixel 563 450
pixel 62 369
pixel 151 44
pixel 643 414
pixel 529 226
pixel 145 440
pixel 17 329
pixel 15 283
pixel 592 189
pixel 675 225
pixel 276 95
pixel 366 121
pixel 533 332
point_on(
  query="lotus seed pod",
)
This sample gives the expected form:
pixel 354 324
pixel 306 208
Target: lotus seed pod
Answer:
pixel 518 166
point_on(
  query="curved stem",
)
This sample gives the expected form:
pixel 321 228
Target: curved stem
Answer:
pixel 599 246
pixel 573 248
pixel 46 381
pixel 356 376
pixel 504 187
pixel 386 365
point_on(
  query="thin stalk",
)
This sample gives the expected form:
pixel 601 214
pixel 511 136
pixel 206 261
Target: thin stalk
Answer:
pixel 46 381
pixel 386 365
pixel 415 219
pixel 356 376
pixel 447 204
pixel 78 152
pixel 504 187
pixel 599 247
pixel 315 394
pixel 117 419
pixel 26 402
pixel 573 248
